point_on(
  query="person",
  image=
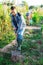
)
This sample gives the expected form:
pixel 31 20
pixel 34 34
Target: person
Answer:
pixel 29 20
pixel 19 25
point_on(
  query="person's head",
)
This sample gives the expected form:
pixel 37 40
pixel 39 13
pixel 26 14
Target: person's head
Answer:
pixel 13 10
pixel 28 15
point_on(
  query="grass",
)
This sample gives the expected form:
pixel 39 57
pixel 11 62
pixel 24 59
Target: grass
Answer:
pixel 6 60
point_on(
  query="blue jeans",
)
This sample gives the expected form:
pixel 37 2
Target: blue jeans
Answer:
pixel 19 39
pixel 20 33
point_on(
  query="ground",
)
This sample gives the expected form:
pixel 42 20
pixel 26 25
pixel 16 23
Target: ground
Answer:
pixel 9 50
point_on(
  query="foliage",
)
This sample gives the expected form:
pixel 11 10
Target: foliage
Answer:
pixel 31 7
pixel 6 30
pixel 41 5
pixel 35 17
pixel 32 48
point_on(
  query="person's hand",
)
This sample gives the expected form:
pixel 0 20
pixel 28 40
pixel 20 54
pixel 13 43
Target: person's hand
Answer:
pixel 14 28
pixel 13 13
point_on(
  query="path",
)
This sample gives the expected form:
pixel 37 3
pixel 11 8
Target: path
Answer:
pixel 33 27
pixel 7 47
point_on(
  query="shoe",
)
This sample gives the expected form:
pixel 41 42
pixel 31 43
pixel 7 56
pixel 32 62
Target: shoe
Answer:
pixel 19 48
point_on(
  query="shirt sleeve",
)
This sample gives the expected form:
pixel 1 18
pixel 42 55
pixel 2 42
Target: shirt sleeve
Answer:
pixel 22 26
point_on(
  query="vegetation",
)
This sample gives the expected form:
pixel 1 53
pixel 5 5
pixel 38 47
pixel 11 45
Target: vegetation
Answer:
pixel 6 30
pixel 32 46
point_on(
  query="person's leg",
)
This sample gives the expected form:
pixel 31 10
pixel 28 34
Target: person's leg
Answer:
pixel 19 41
pixel 20 37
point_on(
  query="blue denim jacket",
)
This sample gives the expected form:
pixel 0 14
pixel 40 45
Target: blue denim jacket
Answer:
pixel 20 24
pixel 14 21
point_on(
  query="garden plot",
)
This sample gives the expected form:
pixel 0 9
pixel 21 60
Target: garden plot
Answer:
pixel 32 47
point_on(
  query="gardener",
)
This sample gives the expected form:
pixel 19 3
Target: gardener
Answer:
pixel 18 24
pixel 29 20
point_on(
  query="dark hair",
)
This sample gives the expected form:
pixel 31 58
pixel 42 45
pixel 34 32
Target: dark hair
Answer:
pixel 13 7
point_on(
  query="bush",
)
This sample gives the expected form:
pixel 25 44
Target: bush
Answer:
pixel 6 30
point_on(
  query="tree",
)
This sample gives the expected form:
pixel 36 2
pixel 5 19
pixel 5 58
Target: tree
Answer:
pixel 41 5
pixel 32 7
pixel 26 5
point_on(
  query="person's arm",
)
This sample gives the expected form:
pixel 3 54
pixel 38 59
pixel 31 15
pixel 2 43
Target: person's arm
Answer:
pixel 23 23
pixel 22 26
